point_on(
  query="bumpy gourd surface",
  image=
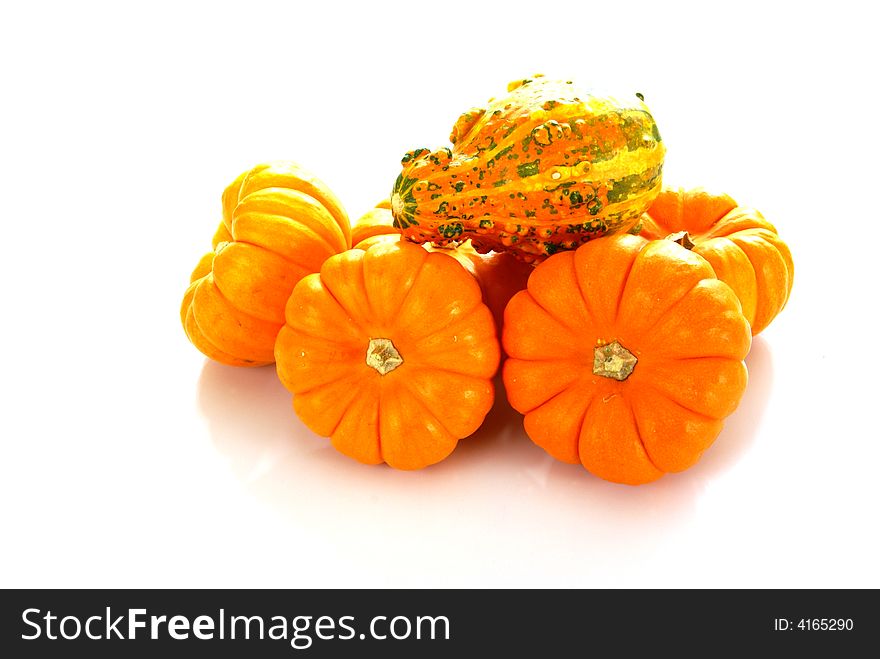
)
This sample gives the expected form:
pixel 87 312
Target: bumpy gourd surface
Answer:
pixel 542 169
pixel 389 352
pixel 744 248
pixel 664 306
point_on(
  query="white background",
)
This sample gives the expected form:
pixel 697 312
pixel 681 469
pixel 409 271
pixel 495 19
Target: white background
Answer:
pixel 129 460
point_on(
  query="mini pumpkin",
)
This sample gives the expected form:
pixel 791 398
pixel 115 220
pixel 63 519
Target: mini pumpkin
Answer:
pixel 744 248
pixel 543 168
pixel 390 353
pixel 625 356
pixel 279 224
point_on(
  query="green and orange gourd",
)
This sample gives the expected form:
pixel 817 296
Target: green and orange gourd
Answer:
pixel 543 169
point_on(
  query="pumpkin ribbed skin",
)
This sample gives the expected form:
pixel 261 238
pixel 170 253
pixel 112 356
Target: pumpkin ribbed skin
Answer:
pixel 545 168
pixel 499 274
pixel 743 248
pixel 629 373
pixel 390 353
pixel 279 224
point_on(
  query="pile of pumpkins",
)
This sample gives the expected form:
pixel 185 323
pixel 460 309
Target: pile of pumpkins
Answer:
pixel 543 239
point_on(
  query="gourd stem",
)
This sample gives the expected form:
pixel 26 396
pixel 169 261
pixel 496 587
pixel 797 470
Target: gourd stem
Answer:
pixel 683 238
pixel 613 361
pixel 383 356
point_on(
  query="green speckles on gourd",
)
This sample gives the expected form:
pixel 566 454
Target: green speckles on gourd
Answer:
pixel 409 156
pixel 631 185
pixel 538 166
pixel 529 168
pixel 451 231
pixel 503 152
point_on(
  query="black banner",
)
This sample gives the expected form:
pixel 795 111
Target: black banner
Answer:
pixel 317 623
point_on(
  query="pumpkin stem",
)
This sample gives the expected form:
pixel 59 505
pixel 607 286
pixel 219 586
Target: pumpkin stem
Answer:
pixel 613 361
pixel 683 238
pixel 383 356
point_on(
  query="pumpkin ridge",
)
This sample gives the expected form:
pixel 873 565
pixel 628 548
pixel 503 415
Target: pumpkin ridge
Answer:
pixel 442 369
pixel 767 307
pixel 264 317
pixel 635 422
pixel 648 383
pixel 382 393
pixel 748 260
pixel 297 264
pixel 204 337
pixel 581 423
pixel 405 297
pixel 191 318
pixel 244 313
pixel 351 316
pixel 561 321
pixel 279 202
pixel 624 285
pixel 354 377
pixel 464 319
pixel 404 384
pixel 294 177
pixel 302 226
pixel 587 408
pixel 557 394
pixel 579 426
pixel 427 413
pixel 450 320
pixel 646 331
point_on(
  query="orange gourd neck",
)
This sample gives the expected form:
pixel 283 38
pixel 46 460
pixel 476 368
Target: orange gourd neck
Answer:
pixel 613 361
pixel 383 356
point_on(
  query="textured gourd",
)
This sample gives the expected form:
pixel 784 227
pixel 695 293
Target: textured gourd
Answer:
pixel 499 274
pixel 545 168
pixel 279 224
pixel 629 372
pixel 744 249
pixel 390 353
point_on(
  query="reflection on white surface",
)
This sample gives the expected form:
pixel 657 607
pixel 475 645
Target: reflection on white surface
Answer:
pixel 449 524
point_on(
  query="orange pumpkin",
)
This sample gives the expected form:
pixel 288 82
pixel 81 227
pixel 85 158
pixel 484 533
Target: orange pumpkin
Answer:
pixel 279 224
pixel 500 274
pixel 744 249
pixel 390 353
pixel 625 355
